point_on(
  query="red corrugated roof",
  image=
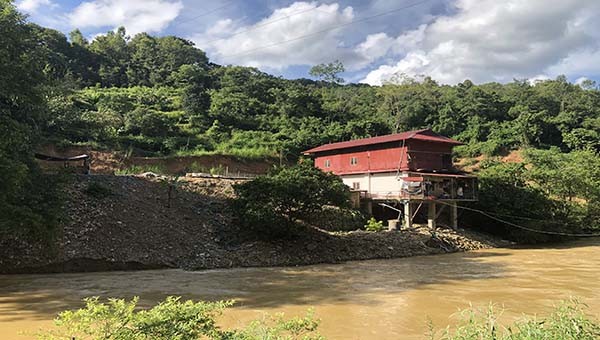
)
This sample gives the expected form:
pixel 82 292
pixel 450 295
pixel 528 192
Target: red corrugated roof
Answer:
pixel 424 134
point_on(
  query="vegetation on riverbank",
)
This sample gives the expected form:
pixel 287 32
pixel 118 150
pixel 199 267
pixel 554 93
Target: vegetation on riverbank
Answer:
pixel 172 319
pixel 273 206
pixel 569 321
pixel 549 191
pixel 189 320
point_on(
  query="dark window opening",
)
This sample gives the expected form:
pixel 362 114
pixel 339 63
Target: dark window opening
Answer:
pixel 447 161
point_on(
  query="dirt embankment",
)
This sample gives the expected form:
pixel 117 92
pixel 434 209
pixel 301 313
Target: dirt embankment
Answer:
pixel 128 222
pixel 109 162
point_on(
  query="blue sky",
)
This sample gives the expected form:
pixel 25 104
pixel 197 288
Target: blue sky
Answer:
pixel 377 40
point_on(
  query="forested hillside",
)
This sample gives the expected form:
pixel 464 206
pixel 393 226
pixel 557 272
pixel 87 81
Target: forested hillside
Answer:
pixel 162 96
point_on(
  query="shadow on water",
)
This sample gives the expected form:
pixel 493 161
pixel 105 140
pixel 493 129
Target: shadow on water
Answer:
pixel 569 244
pixel 364 283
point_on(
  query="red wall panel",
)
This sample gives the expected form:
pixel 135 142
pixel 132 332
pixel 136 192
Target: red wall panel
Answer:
pixel 424 155
pixel 380 159
pixel 429 156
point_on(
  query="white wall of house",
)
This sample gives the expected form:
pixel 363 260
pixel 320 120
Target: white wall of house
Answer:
pixel 357 182
pixel 377 184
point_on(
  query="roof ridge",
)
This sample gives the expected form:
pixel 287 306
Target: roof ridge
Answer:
pixel 382 139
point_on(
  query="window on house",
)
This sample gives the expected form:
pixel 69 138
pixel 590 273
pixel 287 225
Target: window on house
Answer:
pixel 353 160
pixel 356 185
pixel 327 163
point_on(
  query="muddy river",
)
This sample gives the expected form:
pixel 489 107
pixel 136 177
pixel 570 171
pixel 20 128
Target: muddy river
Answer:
pixel 379 299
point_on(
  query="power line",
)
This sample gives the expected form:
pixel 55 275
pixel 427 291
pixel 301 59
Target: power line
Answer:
pixel 327 29
pixel 203 14
pixel 520 226
pixel 264 24
pixel 527 218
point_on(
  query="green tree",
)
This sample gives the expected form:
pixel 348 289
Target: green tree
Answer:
pixel 26 197
pixel 329 72
pixel 114 57
pixel 271 206
pixel 77 38
pixel 572 180
pixel 195 83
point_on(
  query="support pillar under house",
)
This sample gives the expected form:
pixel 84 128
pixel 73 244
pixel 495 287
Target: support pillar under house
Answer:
pixel 408 214
pixel 431 215
pixel 454 215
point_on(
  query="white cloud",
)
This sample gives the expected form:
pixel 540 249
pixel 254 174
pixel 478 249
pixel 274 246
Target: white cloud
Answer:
pixel 581 80
pixel 490 40
pixel 274 42
pixel 31 6
pixel 579 63
pixel 136 15
pixel 375 46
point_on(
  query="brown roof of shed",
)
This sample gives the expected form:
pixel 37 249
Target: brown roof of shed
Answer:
pixel 424 135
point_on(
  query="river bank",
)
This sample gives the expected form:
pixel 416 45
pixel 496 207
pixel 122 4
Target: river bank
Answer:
pixel 375 299
pixel 129 222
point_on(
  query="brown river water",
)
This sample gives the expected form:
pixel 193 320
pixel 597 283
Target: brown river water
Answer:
pixel 378 299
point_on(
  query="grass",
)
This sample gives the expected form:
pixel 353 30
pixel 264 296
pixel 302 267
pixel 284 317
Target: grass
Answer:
pixel 569 321
pixel 138 169
pixel 241 154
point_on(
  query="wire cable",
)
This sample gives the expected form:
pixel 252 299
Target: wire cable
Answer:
pixel 263 24
pixel 520 226
pixel 324 30
pixel 203 14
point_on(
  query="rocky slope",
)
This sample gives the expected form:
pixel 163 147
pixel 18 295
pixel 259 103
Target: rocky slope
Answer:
pixel 128 222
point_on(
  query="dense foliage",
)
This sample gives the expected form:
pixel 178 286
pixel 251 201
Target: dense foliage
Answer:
pixel 271 206
pixel 569 321
pixel 27 199
pixel 549 191
pixel 171 319
pixel 162 95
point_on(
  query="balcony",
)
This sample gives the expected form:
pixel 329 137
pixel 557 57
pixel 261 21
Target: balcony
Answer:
pixel 425 187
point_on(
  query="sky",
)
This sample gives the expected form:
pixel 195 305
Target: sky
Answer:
pixel 378 41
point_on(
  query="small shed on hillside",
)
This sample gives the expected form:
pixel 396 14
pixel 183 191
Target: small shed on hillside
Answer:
pixel 79 163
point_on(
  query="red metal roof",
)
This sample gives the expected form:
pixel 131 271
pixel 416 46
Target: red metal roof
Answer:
pixel 424 134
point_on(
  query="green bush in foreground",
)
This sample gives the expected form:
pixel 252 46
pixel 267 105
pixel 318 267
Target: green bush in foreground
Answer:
pixel 374 225
pixel 172 319
pixel 118 319
pixel 568 322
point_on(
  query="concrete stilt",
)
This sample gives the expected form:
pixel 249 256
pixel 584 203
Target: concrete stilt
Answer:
pixel 408 215
pixel 370 207
pixel 431 215
pixel 454 215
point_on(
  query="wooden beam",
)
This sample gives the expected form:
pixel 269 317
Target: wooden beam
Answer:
pixel 417 211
